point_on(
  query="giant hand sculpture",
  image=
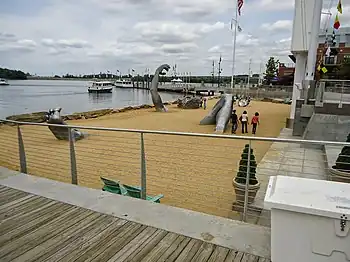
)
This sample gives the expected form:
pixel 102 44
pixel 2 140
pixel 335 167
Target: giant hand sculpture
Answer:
pixel 220 114
pixel 156 99
pixel 61 133
pixel 224 114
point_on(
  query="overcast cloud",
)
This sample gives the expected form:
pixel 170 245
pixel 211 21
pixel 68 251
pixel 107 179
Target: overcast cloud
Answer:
pixel 89 36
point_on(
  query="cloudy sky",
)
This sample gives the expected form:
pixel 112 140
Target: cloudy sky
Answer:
pixel 89 36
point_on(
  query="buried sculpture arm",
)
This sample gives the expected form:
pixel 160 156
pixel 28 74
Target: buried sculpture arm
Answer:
pixel 210 119
pixel 223 116
pixel 157 100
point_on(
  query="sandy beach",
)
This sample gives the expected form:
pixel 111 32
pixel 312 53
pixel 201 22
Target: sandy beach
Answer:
pixel 191 172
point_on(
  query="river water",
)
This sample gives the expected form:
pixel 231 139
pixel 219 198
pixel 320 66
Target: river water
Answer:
pixel 27 96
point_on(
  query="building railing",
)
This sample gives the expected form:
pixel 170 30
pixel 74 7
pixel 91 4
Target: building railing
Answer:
pixel 193 171
pixel 332 90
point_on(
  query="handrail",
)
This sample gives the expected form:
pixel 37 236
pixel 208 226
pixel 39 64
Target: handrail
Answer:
pixel 235 137
pixel 333 80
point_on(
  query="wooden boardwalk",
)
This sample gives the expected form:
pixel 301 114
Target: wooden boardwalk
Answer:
pixel 35 228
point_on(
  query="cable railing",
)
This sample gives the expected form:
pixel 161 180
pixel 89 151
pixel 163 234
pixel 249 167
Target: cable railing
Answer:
pixel 209 173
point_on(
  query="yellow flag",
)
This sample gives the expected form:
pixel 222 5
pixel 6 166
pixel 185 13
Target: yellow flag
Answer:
pixel 324 70
pixel 339 7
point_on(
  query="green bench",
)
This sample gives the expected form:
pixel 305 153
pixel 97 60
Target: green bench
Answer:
pixel 133 191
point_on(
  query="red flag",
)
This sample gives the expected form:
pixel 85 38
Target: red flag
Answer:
pixel 239 6
pixel 336 22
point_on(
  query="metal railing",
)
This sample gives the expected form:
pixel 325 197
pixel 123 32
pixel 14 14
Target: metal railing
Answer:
pixel 193 171
pixel 335 91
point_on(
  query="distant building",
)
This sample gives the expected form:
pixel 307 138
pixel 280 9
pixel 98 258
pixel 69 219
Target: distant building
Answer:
pixel 285 69
pixel 340 50
pixel 339 43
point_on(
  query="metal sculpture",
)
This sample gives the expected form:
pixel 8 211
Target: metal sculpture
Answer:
pixel 53 116
pixel 220 114
pixel 189 102
pixel 156 99
pixel 223 116
pixel 210 119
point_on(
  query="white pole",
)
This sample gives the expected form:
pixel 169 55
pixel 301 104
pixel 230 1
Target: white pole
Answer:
pixel 250 63
pixel 234 45
pixel 260 75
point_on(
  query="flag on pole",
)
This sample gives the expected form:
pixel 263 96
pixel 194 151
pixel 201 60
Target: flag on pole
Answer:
pixel 339 7
pixel 336 22
pixel 239 6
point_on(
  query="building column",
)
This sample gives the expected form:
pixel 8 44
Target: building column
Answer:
pixel 299 76
pixel 314 34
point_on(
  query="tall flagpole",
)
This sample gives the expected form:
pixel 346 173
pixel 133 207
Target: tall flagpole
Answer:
pixel 234 45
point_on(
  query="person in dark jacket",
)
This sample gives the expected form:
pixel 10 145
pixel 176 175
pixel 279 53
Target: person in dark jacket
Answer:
pixel 234 121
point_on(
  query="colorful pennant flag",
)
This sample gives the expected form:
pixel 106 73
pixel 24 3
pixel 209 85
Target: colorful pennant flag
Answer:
pixel 322 68
pixel 339 7
pixel 336 22
pixel 239 6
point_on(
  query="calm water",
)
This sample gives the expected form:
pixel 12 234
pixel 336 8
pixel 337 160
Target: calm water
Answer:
pixel 40 95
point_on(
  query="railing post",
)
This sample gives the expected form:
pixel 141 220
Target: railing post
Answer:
pixel 21 151
pixel 246 191
pixel 341 96
pixel 143 169
pixel 73 162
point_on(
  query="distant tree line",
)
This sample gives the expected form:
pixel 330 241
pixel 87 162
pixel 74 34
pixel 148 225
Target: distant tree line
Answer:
pixel 13 74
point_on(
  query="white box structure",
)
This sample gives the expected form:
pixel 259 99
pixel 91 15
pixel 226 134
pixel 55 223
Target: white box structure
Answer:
pixel 302 24
pixel 310 220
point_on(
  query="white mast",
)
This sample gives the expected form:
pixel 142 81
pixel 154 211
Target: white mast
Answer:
pixel 234 44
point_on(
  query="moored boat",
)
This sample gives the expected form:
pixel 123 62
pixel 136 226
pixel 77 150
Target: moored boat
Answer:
pixel 123 83
pixel 3 82
pixel 100 87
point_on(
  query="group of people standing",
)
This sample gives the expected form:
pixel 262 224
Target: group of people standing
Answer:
pixel 203 103
pixel 243 119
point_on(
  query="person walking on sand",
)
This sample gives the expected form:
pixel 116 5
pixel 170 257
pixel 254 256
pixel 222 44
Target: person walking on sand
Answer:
pixel 205 103
pixel 234 120
pixel 255 122
pixel 244 122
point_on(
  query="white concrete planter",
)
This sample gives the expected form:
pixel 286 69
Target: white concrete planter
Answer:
pixel 240 192
pixel 310 220
pixel 338 176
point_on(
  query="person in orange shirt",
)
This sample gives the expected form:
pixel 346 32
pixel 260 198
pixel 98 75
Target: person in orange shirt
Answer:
pixel 255 122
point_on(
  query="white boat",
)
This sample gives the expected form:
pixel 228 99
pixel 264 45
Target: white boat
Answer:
pixel 3 82
pixel 123 83
pixel 100 87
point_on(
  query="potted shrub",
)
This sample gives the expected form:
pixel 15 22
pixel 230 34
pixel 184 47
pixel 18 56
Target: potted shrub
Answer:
pixel 239 182
pixel 340 172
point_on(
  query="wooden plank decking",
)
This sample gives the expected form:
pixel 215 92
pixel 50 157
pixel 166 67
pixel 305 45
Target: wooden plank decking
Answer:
pixel 34 228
